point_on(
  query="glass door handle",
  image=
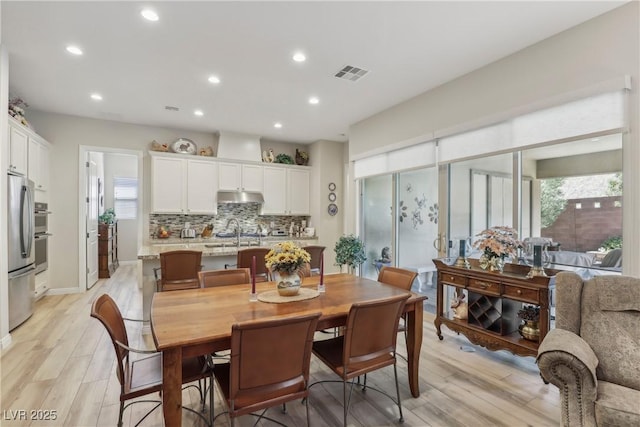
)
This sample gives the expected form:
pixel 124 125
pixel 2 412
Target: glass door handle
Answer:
pixel 437 242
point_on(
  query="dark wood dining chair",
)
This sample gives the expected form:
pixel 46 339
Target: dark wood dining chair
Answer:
pixel 235 276
pixel 178 270
pixel 245 257
pixel 368 344
pixel 260 374
pixel 400 278
pixel 316 255
pixel 143 376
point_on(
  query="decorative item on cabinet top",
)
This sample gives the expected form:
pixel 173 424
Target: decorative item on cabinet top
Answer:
pixel 184 146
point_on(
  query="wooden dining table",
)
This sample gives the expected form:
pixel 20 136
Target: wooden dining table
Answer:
pixel 198 322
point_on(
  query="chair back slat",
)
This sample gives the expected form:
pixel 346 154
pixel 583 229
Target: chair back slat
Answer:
pixel 105 309
pixel 213 278
pixel 179 270
pixel 245 257
pixel 398 277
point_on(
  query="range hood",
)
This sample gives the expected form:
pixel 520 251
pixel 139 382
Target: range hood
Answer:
pixel 240 197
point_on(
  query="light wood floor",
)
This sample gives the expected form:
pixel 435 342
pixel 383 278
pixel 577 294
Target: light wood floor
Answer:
pixel 62 360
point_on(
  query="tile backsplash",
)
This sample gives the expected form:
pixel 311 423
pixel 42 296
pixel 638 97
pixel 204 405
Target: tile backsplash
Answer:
pixel 247 214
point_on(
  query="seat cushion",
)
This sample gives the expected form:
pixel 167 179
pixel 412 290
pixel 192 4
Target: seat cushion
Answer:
pixel 617 405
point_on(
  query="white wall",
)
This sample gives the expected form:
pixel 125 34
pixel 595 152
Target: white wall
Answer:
pixel 597 51
pixel 122 166
pixel 67 134
pixel 5 338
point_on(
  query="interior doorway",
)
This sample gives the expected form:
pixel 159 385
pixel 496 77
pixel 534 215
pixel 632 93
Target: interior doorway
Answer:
pixel 105 170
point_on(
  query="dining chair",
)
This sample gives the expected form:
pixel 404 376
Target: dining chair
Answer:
pixel 260 374
pixel 368 344
pixel 316 256
pixel 213 278
pixel 144 375
pixel 178 270
pixel 245 257
pixel 400 278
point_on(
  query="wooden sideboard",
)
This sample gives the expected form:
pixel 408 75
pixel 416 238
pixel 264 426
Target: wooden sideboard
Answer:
pixel 494 300
pixel 107 250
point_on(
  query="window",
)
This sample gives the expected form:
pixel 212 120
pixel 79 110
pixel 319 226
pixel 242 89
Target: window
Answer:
pixel 125 197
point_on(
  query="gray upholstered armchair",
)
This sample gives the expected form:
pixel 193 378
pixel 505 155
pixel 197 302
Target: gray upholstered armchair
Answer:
pixel 593 354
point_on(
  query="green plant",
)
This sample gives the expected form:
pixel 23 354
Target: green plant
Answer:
pixel 284 158
pixel 349 251
pixel 108 217
pixel 552 201
pixel 613 242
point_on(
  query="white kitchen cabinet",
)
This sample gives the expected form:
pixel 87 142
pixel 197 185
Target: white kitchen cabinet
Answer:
pixel 183 186
pixel 286 191
pixel 39 163
pixel 18 148
pixel 240 177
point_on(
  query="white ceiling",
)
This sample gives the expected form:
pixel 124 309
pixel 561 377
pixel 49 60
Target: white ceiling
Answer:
pixel 140 67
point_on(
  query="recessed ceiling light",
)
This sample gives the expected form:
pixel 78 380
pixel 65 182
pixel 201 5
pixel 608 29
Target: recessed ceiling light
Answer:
pixel 214 79
pixel 75 50
pixel 198 113
pixel 314 100
pixel 96 97
pixel 277 125
pixel 299 57
pixel 149 15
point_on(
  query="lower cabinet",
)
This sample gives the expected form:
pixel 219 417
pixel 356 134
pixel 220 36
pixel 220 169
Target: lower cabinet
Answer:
pixel 107 250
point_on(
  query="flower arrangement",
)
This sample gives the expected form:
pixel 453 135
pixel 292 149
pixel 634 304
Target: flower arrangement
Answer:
pixel 497 243
pixel 286 257
pixel 16 110
pixel 530 313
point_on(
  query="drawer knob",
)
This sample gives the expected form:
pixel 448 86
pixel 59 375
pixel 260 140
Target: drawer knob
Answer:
pixel 518 292
pixel 451 278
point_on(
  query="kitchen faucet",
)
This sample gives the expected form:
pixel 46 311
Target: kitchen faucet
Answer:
pixel 237 230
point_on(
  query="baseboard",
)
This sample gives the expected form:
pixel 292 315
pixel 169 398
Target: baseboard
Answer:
pixel 5 342
pixel 64 291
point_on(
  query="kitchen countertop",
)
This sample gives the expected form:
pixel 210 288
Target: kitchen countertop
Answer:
pixel 211 247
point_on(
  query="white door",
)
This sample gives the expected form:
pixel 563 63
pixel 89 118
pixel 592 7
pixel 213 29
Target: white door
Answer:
pixel 92 220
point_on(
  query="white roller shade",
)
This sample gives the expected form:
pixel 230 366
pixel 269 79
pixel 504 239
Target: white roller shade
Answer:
pixel 416 156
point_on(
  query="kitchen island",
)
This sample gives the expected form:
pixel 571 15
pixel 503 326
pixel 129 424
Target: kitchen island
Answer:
pixel 216 253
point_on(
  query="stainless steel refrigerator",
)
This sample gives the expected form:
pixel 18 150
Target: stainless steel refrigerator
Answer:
pixel 21 255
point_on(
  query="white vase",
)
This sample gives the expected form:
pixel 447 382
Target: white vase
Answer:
pixel 288 284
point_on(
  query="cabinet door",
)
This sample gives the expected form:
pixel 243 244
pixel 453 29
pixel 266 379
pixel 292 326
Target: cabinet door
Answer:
pixel 202 187
pixel 230 176
pixel 34 162
pixel 252 178
pixel 168 183
pixel 275 191
pixel 18 150
pixel 298 192
pixel 44 167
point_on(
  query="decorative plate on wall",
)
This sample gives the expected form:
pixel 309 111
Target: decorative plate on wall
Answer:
pixel 184 146
pixel 332 197
pixel 332 209
pixel 332 186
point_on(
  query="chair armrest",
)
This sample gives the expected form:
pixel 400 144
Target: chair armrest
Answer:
pixel 135 350
pixel 568 362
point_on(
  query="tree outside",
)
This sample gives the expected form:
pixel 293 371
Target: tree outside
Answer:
pixel 552 200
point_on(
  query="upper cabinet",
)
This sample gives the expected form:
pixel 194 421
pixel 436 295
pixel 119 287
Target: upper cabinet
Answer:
pixel 186 186
pixel 18 148
pixel 240 177
pixel 29 156
pixel 39 163
pixel 286 191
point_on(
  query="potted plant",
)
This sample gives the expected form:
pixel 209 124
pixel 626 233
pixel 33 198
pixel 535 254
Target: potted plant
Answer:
pixel 531 315
pixel 350 252
pixel 284 260
pixel 107 217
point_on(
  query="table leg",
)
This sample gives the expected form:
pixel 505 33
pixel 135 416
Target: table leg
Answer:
pixel 414 344
pixel 172 387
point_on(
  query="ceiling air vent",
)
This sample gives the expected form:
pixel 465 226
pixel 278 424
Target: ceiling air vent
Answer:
pixel 170 108
pixel 351 73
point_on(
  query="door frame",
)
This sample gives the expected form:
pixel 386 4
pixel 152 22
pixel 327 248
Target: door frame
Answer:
pixel 83 150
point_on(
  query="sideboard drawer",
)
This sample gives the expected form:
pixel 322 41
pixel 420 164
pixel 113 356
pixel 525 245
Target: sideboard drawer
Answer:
pixel 484 287
pixel 522 294
pixel 453 279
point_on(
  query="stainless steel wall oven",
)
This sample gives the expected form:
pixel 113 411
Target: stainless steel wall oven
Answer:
pixel 41 236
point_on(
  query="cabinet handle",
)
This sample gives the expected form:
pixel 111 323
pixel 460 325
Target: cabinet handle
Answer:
pixel 484 285
pixel 451 278
pixel 518 292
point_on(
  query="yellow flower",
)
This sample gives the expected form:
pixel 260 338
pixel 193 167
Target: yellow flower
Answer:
pixel 286 256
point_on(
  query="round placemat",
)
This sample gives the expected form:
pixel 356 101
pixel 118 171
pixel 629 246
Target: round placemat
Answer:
pixel 276 298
